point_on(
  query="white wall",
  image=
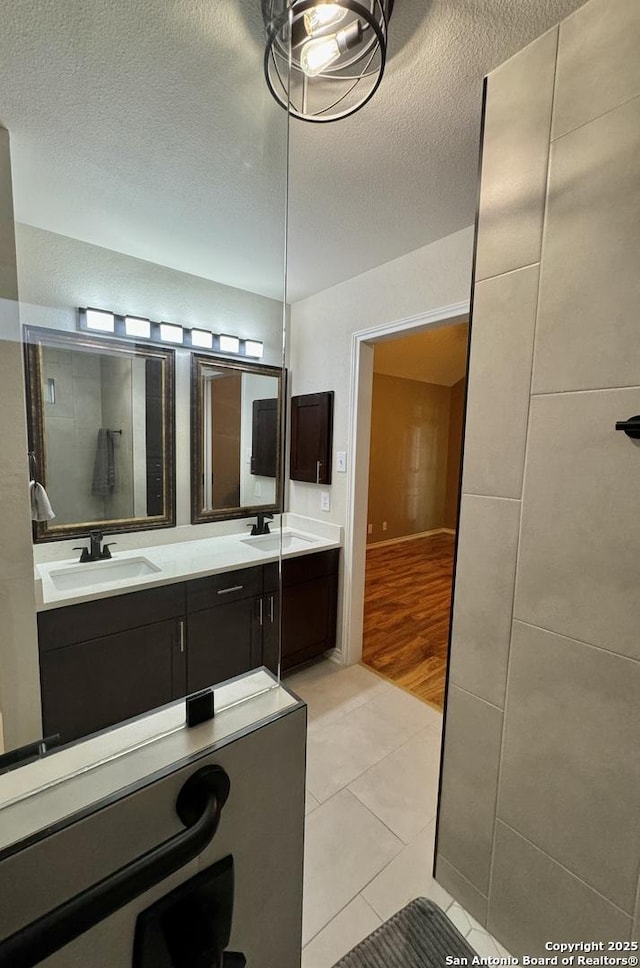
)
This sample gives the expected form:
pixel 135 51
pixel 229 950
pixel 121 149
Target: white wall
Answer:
pixel 57 274
pixel 322 327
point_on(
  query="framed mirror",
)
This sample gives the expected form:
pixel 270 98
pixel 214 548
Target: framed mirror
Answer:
pixel 101 433
pixel 236 440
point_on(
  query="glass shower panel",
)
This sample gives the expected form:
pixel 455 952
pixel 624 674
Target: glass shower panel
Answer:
pixel 143 203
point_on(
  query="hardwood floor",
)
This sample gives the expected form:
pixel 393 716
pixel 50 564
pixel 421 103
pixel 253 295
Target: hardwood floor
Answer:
pixel 406 613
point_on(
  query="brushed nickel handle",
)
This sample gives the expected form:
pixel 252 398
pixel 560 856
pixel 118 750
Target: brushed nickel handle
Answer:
pixel 233 588
pixel 318 465
pixel 271 597
pixel 261 611
pixel 181 634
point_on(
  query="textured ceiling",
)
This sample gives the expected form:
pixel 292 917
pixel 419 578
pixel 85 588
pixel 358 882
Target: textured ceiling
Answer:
pixel 147 128
pixel 434 356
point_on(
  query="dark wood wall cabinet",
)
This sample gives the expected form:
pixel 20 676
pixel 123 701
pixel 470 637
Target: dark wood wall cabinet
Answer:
pixel 311 437
pixel 109 660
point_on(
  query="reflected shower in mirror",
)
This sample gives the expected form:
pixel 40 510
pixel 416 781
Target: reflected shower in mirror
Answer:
pixel 101 432
pixel 236 440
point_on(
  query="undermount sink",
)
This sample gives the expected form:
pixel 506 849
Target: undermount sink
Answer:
pixel 271 542
pixel 101 572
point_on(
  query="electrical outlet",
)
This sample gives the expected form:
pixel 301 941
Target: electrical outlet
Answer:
pixel 384 525
pixel 257 489
pixel 369 529
pixel 341 461
pixel 325 501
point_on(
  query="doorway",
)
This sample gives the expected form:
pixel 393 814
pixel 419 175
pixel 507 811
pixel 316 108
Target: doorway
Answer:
pixel 414 472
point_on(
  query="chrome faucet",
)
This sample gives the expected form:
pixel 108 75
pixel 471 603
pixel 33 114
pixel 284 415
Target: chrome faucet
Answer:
pixel 261 526
pixel 96 551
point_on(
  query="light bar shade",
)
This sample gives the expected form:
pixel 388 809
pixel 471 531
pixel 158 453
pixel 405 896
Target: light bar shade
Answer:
pixel 170 333
pixel 202 338
pixel 229 344
pixel 137 327
pixel 100 321
pixel 253 348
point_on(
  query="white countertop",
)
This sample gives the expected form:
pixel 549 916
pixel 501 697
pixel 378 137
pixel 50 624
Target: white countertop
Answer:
pixel 179 561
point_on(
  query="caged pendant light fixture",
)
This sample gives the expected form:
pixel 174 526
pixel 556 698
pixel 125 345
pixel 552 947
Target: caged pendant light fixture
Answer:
pixel 324 60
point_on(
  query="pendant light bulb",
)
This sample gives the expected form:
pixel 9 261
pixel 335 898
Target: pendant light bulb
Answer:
pixel 321 52
pixel 323 15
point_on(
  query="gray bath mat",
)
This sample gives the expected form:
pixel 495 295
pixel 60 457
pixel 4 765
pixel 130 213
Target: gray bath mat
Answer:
pixel 418 936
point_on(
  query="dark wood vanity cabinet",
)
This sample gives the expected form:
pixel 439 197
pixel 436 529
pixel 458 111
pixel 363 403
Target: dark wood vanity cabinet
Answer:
pixel 309 606
pixel 105 661
pixel 225 619
pixel 109 660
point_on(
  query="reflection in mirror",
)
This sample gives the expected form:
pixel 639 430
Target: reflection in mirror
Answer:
pixel 236 440
pixel 101 423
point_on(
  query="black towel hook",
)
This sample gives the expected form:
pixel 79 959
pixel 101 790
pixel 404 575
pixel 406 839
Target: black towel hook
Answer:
pixel 630 427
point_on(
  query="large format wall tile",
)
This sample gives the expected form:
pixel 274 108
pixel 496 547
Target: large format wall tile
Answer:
pixel 469 784
pixel 504 315
pixel 587 327
pixel 579 568
pixel 485 576
pixel 514 159
pixel 469 896
pixel 570 773
pixel 598 63
pixel 534 900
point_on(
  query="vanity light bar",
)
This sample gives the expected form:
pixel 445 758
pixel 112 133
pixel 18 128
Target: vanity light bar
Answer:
pixel 138 327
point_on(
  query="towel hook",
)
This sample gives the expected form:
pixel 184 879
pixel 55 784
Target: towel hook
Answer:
pixel 33 467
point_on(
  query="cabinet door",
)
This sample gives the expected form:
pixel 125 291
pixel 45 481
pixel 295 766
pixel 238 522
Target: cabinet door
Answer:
pixel 223 642
pixel 308 619
pixel 264 438
pixel 311 437
pixel 91 685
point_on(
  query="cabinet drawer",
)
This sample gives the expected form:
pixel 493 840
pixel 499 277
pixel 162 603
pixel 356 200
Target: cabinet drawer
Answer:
pixel 226 587
pixel 107 616
pixel 309 567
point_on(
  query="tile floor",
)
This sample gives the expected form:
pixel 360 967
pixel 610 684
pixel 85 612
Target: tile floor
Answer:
pixel 372 783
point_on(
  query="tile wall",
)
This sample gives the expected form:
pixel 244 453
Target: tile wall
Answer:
pixel 539 823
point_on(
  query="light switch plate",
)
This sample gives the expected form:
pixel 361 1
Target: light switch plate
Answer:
pixel 325 501
pixel 341 461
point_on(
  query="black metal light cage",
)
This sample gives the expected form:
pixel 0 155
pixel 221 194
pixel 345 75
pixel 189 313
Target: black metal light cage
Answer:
pixel 347 84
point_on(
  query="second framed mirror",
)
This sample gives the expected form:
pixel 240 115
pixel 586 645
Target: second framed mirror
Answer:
pixel 236 439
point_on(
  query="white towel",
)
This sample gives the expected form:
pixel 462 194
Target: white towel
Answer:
pixel 41 509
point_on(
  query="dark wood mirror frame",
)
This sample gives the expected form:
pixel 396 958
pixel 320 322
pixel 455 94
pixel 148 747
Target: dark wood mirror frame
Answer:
pixel 35 339
pixel 199 363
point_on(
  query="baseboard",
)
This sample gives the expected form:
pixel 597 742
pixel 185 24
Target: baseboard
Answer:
pixel 409 537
